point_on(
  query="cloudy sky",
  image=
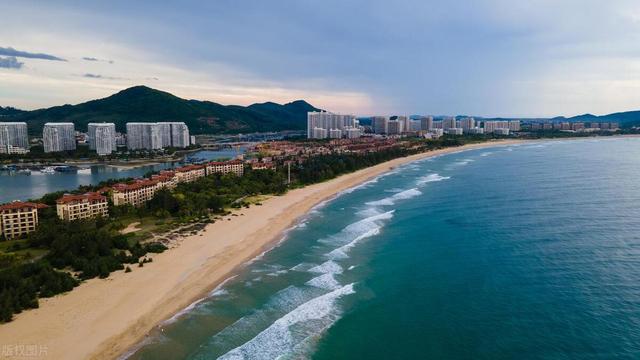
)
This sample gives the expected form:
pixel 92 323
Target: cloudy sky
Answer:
pixel 484 57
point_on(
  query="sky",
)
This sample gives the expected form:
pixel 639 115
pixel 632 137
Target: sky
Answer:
pixel 485 57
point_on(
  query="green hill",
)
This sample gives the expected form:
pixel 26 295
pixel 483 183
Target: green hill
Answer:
pixel 144 104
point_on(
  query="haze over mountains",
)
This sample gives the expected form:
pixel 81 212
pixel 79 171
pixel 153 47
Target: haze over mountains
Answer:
pixel 144 104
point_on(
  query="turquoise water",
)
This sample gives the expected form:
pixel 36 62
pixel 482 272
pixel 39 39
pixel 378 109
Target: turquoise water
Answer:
pixel 528 251
pixel 15 186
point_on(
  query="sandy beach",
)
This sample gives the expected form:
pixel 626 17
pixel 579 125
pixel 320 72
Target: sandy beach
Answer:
pixel 103 318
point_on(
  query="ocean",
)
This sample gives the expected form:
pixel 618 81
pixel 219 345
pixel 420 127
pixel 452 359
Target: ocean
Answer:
pixel 524 251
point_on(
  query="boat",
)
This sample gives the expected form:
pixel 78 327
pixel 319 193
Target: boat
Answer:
pixel 66 169
pixel 48 170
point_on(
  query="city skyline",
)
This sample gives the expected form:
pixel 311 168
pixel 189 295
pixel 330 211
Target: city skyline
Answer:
pixel 490 58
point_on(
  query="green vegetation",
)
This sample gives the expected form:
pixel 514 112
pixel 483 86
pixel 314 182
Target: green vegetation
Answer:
pixel 58 255
pixel 141 103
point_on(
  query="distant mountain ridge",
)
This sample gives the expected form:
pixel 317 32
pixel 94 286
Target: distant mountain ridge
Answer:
pixel 144 104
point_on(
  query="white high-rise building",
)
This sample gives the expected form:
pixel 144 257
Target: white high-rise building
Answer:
pixel 180 135
pixel 426 123
pixel 143 136
pixel 164 134
pixel 491 126
pixel 449 123
pixel 59 137
pixel 467 123
pixel 327 121
pixel 13 137
pixel 514 125
pixel 102 137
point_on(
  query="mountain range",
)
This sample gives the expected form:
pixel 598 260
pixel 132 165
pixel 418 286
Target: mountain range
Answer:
pixel 144 104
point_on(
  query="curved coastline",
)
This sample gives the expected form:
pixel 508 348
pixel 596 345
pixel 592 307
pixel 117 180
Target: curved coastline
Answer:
pixel 112 315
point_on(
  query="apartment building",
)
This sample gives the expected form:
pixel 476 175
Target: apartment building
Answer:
pixel 18 218
pixel 13 138
pixel 166 179
pixel 190 173
pixel 135 194
pixel 73 207
pixel 58 137
pixel 226 167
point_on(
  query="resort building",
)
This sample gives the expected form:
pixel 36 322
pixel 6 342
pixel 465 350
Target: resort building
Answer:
pixel 190 173
pixel 102 137
pixel 143 136
pixel 426 123
pixel 58 137
pixel 153 136
pixel 74 207
pixel 13 138
pixel 395 127
pixel 18 218
pixel 327 121
pixel 379 124
pixel 226 167
pixel 135 194
pixel 166 179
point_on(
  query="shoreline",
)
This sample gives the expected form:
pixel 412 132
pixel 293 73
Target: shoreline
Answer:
pixel 113 315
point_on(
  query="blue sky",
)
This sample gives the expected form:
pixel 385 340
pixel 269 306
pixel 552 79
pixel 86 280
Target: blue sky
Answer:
pixel 485 57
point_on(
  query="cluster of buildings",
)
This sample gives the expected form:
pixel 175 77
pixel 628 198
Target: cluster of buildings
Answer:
pixel 327 125
pixel 101 137
pixel 298 152
pixel 397 125
pixel 20 218
pixel 574 126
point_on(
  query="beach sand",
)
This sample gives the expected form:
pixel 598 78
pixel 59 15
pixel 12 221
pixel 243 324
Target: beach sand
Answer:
pixel 104 318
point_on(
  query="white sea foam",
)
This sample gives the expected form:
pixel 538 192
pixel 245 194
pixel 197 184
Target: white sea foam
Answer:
pixel 324 281
pixel 391 200
pixel 302 267
pixel 487 153
pixel 431 178
pixel 327 267
pixel 278 340
pixel 217 291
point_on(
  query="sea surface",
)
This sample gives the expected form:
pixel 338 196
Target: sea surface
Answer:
pixel 16 186
pixel 527 251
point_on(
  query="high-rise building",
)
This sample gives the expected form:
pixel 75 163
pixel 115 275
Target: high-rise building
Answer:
pixel 164 134
pixel 449 123
pixel 13 137
pixel 395 127
pixel 335 133
pixel 143 136
pixel 514 125
pixel 59 137
pixel 179 135
pixel 379 124
pixel 426 123
pixel 467 123
pixel 491 126
pixel 327 121
pixel 102 137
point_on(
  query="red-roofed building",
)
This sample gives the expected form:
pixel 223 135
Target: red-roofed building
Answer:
pixel 74 207
pixel 18 218
pixel 190 173
pixel 136 193
pixel 226 167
